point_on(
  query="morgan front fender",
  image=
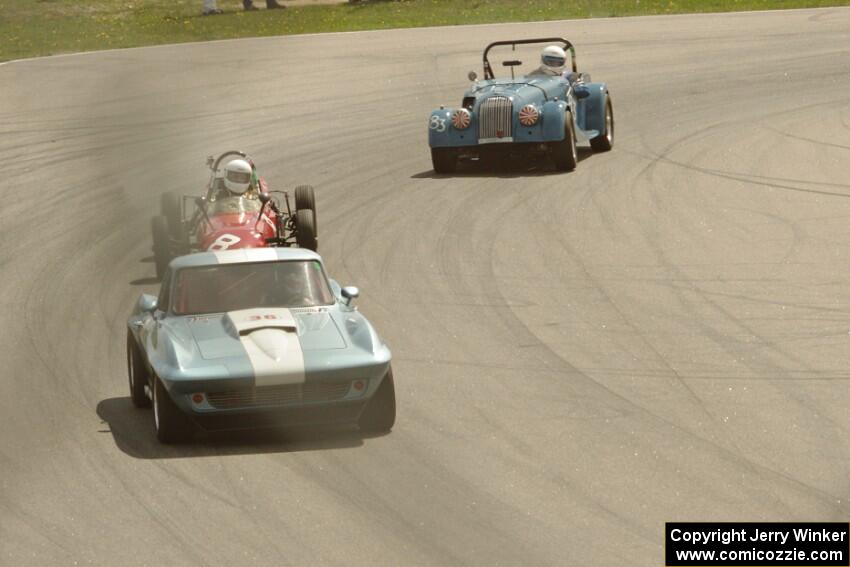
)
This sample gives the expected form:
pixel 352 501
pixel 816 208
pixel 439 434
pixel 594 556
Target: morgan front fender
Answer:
pixel 554 113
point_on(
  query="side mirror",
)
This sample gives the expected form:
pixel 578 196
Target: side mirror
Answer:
pixel 265 198
pixel 472 76
pixel 147 303
pixel 350 293
pixel 582 93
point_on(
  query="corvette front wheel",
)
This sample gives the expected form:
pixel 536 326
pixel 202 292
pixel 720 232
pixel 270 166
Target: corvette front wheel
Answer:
pixel 379 414
pixel 136 374
pixel 564 153
pixel 172 425
pixel 444 160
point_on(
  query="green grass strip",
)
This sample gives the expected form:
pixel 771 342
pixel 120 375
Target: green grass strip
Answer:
pixel 31 28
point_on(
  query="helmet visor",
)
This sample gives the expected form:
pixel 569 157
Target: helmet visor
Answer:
pixel 553 61
pixel 239 176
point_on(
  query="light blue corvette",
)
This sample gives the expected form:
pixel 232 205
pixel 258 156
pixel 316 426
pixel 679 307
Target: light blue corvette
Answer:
pixel 532 112
pixel 256 337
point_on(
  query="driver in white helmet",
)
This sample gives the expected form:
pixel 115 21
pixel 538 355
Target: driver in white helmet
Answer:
pixel 553 61
pixel 238 176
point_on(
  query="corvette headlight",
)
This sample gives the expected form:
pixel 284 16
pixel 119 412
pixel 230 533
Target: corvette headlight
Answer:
pixel 529 115
pixel 461 119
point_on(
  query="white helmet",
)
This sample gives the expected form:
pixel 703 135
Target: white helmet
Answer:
pixel 237 176
pixel 553 57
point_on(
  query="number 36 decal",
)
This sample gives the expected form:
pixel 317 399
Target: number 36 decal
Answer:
pixel 437 123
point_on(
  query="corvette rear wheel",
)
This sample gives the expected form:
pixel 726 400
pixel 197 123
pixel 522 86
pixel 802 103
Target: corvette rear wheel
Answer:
pixel 564 153
pixel 305 198
pixel 444 160
pixel 172 425
pixel 161 244
pixel 605 141
pixel 305 230
pixel 379 414
pixel 136 374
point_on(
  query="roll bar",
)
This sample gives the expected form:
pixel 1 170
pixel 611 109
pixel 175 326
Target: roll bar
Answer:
pixel 488 70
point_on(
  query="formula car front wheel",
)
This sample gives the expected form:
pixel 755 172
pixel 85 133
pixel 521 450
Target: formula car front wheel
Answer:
pixel 379 414
pixel 161 245
pixel 305 198
pixel 605 141
pixel 136 374
pixel 444 160
pixel 564 153
pixel 305 230
pixel 172 425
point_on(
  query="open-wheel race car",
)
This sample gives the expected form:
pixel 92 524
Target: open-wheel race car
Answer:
pixel 547 110
pixel 237 210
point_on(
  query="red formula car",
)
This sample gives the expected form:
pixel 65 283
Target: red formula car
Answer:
pixel 237 211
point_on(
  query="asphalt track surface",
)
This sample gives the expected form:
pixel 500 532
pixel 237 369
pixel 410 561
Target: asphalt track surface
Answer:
pixel 660 335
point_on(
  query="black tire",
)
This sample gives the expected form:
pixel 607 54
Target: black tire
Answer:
pixel 605 141
pixel 305 230
pixel 161 244
pixel 379 414
pixel 171 424
pixel 564 153
pixel 173 212
pixel 136 374
pixel 305 198
pixel 444 160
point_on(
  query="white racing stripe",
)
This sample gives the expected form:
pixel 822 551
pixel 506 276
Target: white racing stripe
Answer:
pixel 270 339
pixel 245 255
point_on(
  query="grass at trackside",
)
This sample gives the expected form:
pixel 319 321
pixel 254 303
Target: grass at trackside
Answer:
pixel 42 27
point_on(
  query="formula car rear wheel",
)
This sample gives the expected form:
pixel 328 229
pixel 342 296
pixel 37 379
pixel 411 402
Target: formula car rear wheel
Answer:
pixel 444 160
pixel 305 198
pixel 605 141
pixel 305 230
pixel 172 425
pixel 173 213
pixel 161 245
pixel 136 374
pixel 564 153
pixel 379 414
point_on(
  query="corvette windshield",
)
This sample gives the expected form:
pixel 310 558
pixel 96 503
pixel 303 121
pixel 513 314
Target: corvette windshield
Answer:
pixel 230 287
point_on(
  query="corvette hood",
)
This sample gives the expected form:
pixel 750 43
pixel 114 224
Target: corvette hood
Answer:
pixel 222 336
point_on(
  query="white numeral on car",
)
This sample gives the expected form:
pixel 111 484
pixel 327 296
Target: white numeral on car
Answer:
pixel 438 124
pixel 224 242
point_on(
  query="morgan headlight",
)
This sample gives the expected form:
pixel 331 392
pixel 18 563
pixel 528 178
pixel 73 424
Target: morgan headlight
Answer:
pixel 529 115
pixel 461 119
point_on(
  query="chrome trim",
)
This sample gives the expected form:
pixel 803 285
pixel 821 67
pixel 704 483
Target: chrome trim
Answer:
pixel 495 115
pixel 495 140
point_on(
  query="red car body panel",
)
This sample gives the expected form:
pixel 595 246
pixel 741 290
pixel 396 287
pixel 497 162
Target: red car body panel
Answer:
pixel 231 230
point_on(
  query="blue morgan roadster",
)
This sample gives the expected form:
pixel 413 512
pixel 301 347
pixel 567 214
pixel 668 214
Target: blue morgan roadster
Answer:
pixel 254 338
pixel 542 111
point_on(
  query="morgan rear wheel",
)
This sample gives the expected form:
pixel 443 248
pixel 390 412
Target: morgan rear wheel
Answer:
pixel 172 425
pixel 305 198
pixel 136 374
pixel 305 230
pixel 444 160
pixel 605 141
pixel 564 153
pixel 379 414
pixel 161 244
